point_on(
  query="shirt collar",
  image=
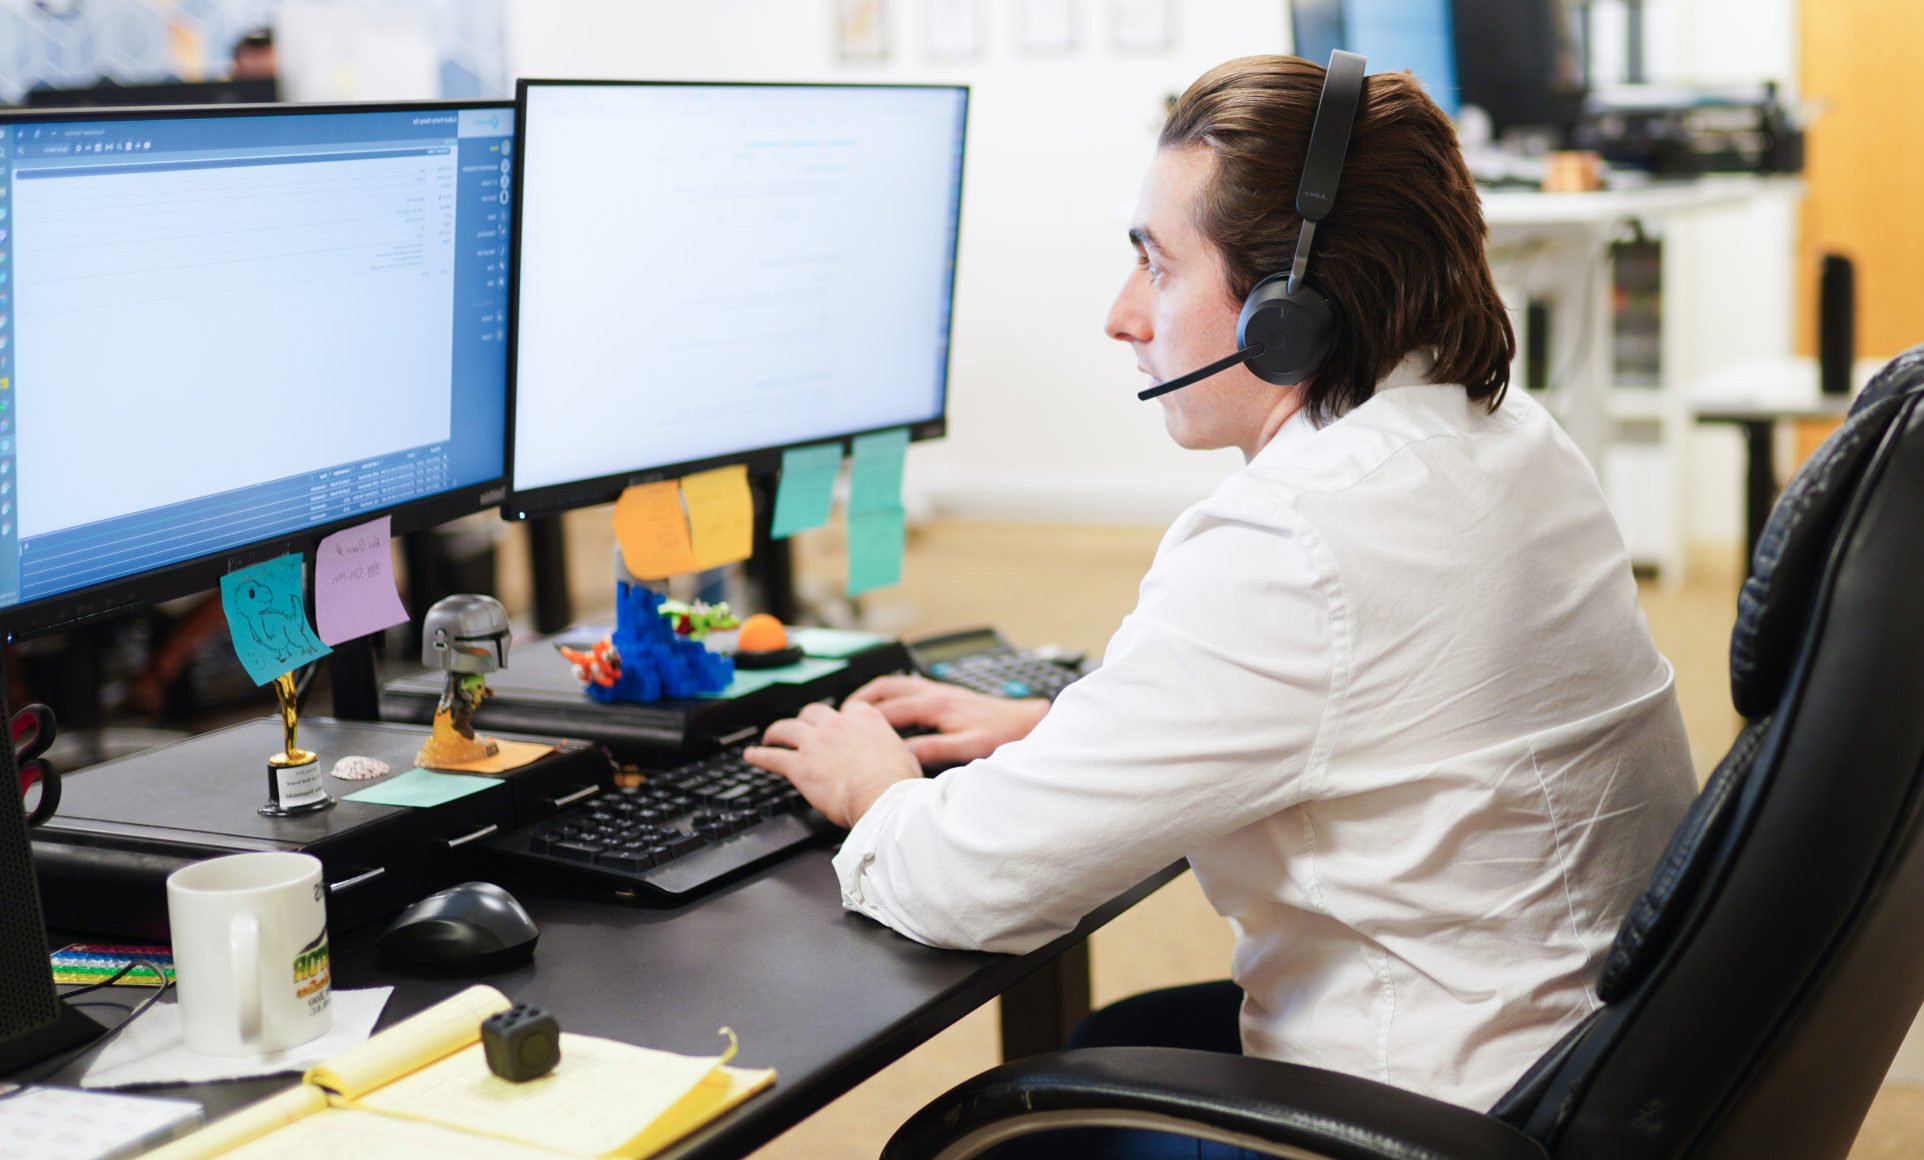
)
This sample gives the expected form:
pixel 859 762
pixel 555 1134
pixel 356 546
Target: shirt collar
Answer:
pixel 1414 370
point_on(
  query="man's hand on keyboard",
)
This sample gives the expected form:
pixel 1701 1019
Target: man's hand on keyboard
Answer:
pixel 840 760
pixel 968 724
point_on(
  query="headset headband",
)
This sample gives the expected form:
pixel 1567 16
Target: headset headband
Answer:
pixel 1328 143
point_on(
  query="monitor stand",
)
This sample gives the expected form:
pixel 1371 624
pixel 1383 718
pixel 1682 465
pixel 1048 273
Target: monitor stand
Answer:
pixel 538 692
pixel 34 1023
pixel 70 1030
pixel 102 861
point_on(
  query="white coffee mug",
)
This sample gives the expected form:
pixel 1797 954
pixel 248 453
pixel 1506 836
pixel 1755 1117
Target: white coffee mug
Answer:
pixel 250 952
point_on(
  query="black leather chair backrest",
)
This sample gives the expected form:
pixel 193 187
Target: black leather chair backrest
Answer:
pixel 1762 983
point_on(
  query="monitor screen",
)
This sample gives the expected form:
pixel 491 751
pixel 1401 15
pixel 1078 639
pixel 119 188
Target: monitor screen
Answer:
pixel 224 333
pixel 707 273
pixel 1520 61
pixel 1392 34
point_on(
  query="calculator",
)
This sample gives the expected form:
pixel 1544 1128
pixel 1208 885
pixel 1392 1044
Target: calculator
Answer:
pixel 980 659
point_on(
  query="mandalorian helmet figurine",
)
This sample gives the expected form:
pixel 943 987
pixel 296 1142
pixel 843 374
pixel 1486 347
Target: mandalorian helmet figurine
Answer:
pixel 465 633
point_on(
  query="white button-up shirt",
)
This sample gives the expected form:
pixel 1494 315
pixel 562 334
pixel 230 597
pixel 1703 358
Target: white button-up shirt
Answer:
pixel 1390 691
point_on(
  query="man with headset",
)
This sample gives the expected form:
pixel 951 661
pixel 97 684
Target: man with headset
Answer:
pixel 1388 689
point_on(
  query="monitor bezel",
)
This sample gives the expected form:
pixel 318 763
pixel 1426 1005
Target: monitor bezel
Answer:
pixel 110 598
pixel 556 498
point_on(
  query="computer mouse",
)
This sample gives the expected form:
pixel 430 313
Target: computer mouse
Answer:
pixel 472 928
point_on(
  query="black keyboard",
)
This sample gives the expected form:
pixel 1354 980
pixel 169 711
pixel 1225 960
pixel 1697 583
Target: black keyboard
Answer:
pixel 677 835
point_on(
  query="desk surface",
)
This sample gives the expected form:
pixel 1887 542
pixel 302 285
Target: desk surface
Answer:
pixel 1514 207
pixel 1765 389
pixel 825 997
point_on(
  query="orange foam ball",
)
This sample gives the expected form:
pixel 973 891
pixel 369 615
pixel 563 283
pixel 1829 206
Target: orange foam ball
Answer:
pixel 761 633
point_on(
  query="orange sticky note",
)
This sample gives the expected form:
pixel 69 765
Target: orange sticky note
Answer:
pixel 721 515
pixel 652 532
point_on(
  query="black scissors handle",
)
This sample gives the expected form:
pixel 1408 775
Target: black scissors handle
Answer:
pixel 33 732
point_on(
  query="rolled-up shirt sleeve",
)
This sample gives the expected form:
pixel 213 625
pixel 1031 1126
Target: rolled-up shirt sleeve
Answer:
pixel 1213 709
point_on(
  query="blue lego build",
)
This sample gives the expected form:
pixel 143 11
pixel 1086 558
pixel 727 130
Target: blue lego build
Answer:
pixel 650 660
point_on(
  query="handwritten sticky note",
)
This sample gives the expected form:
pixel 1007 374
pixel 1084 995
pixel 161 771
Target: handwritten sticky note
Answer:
pixel 875 480
pixel 807 488
pixel 422 787
pixel 267 616
pixel 354 591
pixel 721 515
pixel 875 541
pixel 652 531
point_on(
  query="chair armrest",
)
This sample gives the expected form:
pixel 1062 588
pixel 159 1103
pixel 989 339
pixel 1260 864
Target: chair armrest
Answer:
pixel 1278 1109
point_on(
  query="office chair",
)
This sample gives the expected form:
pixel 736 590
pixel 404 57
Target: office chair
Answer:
pixel 1759 986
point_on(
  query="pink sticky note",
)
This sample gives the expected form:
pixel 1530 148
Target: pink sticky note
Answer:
pixel 354 591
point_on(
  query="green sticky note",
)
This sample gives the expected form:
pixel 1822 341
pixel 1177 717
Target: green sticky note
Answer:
pixel 748 680
pixel 875 479
pixel 267 618
pixel 834 642
pixel 806 489
pixel 875 541
pixel 421 787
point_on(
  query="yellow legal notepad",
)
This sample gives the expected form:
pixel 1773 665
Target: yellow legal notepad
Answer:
pixel 422 1088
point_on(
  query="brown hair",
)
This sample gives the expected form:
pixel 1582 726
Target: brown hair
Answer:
pixel 1401 252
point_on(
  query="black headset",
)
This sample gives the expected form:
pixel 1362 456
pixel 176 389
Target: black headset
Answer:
pixel 1287 325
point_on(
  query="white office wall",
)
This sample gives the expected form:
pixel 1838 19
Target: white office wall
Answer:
pixel 1044 423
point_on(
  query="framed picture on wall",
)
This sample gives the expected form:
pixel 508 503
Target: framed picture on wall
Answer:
pixel 861 30
pixel 1044 27
pixel 954 29
pixel 1141 25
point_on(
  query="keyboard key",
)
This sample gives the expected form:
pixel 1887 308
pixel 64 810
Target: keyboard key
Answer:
pixel 684 843
pixel 627 858
pixel 576 850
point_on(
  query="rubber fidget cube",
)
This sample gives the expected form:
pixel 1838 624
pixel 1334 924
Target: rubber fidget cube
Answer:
pixel 521 1043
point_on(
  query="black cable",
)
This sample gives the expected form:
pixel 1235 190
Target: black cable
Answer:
pixel 53 1065
pixel 106 982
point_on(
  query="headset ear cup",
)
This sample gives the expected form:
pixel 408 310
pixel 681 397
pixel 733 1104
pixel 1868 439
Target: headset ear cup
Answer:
pixel 1296 330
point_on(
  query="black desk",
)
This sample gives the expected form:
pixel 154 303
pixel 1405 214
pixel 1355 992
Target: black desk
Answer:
pixel 537 691
pixel 825 997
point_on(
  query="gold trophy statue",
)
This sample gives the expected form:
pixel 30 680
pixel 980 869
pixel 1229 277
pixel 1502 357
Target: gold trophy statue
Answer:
pixel 294 774
pixel 467 636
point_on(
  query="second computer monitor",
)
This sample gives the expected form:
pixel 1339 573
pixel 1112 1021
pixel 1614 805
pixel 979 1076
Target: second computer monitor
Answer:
pixel 707 273
pixel 225 332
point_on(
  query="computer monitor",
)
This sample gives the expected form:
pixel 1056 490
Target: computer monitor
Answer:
pixel 109 93
pixel 226 332
pixel 706 274
pixel 1517 60
pixel 1392 34
pixel 1520 61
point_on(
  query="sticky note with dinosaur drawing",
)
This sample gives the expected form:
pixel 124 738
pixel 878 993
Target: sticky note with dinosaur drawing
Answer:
pixel 267 615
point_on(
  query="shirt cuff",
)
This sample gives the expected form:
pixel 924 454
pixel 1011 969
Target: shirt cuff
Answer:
pixel 859 849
